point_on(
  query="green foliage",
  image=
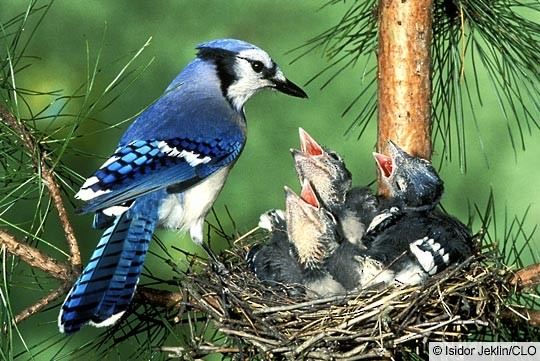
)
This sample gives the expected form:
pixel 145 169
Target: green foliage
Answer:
pixel 475 43
pixel 76 73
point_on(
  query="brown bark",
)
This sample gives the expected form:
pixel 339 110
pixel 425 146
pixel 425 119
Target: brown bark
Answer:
pixel 404 76
pixel 527 277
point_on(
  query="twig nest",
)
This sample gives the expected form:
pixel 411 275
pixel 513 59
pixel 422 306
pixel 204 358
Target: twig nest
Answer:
pixel 371 323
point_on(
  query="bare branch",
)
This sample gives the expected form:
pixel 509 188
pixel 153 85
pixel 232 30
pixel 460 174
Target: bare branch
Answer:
pixel 159 298
pixel 35 258
pixel 515 314
pixel 75 258
pixel 527 277
pixel 39 305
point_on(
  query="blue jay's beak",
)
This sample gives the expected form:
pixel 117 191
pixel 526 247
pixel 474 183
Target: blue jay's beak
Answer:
pixel 385 164
pixel 308 195
pixel 286 86
pixel 309 145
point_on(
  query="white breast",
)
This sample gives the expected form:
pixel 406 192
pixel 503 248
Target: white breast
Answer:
pixel 187 210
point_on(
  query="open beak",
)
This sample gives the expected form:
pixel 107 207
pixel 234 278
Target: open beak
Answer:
pixel 385 164
pixel 308 145
pixel 308 195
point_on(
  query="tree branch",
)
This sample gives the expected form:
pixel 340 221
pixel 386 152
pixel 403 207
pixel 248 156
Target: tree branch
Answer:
pixel 527 277
pixel 75 258
pixel 160 298
pixel 39 305
pixel 404 77
pixel 35 258
pixel 47 175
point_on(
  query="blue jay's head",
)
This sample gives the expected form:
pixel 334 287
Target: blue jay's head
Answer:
pixel 244 69
pixel 410 179
pixel 310 227
pixel 324 169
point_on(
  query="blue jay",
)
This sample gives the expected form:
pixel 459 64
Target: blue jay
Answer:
pixel 168 170
pixel 312 230
pixel 353 208
pixel 410 239
pixel 274 263
pixel 295 254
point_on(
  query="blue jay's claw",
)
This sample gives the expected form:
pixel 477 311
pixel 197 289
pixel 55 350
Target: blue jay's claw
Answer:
pixel 431 256
pixel 383 219
pixel 273 220
pixel 217 266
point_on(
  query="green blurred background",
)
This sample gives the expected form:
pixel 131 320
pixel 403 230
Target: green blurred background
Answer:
pixel 119 28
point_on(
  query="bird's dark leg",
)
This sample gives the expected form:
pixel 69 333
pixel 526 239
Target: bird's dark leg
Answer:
pixel 217 265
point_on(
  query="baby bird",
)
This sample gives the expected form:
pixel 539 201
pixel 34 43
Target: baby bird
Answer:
pixel 300 241
pixel 409 239
pixel 312 231
pixel 325 170
pixel 274 263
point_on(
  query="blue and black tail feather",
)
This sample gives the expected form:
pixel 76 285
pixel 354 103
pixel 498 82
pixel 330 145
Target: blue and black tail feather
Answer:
pixel 106 286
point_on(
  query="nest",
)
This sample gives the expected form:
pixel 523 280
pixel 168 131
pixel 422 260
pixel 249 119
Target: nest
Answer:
pixel 268 323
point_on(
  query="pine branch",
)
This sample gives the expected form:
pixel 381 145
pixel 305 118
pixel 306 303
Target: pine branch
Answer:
pixel 54 189
pixel 35 258
pixel 47 174
pixel 527 277
pixel 41 304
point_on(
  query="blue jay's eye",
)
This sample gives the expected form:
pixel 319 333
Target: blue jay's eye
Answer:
pixel 401 184
pixel 334 156
pixel 257 66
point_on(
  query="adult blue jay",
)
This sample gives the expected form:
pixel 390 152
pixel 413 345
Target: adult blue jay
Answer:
pixel 168 170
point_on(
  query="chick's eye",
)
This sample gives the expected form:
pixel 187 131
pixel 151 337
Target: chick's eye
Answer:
pixel 401 184
pixel 257 66
pixel 334 156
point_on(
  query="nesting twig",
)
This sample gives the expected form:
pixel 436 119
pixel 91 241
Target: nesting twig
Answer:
pixel 364 324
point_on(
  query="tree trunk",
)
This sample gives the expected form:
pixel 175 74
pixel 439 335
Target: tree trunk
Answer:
pixel 404 77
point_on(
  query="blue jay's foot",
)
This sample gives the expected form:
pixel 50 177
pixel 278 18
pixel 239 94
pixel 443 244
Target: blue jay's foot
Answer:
pixel 273 220
pixel 431 256
pixel 372 272
pixel 217 266
pixel 384 219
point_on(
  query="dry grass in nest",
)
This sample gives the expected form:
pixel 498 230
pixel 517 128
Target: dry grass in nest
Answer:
pixel 371 323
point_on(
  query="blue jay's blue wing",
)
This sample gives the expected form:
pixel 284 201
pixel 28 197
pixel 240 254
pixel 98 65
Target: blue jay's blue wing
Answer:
pixel 144 166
